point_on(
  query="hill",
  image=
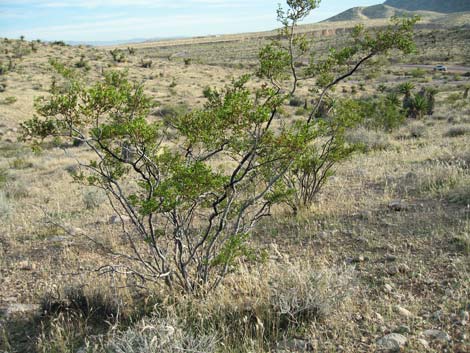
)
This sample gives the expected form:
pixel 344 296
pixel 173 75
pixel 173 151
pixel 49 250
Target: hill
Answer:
pixel 448 6
pixel 374 12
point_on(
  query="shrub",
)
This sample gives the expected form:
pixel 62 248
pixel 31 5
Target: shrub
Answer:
pixel 158 335
pixel 59 43
pixel 9 100
pixel 189 220
pixel 5 206
pixel 417 130
pixel 418 73
pixel 82 64
pixel 117 55
pixel 296 101
pixel 147 64
pixel 93 198
pixel 367 140
pixel 457 131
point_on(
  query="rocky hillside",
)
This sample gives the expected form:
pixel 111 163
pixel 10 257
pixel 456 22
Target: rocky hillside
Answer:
pixel 447 6
pixel 369 13
pixel 430 9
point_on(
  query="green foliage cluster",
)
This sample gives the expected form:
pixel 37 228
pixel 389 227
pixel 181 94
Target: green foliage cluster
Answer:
pixel 191 216
pixel 118 55
pixel 417 105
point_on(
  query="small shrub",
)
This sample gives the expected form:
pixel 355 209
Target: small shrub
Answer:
pixel 118 55
pixel 418 73
pixel 368 140
pixel 5 206
pixel 147 64
pixel 457 131
pixel 460 194
pixel 9 100
pixel 82 64
pixel 17 189
pixel 296 101
pixel 93 198
pixel 59 43
pixel 20 163
pixel 187 61
pixel 3 177
pixel 417 130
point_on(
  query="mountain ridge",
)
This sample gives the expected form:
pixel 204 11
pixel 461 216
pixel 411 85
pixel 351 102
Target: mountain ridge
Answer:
pixel 430 9
pixel 447 6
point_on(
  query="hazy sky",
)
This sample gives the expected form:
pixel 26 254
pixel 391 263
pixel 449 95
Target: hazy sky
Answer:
pixel 104 20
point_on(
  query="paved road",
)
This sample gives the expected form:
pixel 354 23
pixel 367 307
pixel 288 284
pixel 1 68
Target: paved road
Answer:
pixel 450 68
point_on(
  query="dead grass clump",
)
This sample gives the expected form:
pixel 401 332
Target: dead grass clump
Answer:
pixel 261 307
pixel 158 335
pixel 94 305
pixel 417 130
pixel 93 198
pixel 457 131
pixel 17 189
pixel 369 140
pixel 460 194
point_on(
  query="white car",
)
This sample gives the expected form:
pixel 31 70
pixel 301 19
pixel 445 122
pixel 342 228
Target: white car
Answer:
pixel 440 68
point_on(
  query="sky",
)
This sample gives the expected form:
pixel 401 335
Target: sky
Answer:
pixel 108 20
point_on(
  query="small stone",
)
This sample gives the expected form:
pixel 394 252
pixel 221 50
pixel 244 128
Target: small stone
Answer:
pixel 437 335
pixel 464 315
pixel 388 288
pixel 359 259
pixel 402 329
pixel 423 342
pixel 26 266
pixel 393 270
pixel 379 318
pixel 392 342
pixel 403 312
pixel 404 268
pixel 390 258
pixel 75 231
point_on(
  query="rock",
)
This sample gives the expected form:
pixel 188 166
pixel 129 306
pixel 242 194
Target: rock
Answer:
pixel 402 329
pixel 388 288
pixel 75 231
pixel 26 266
pixel 392 342
pixel 390 258
pixel 295 345
pixel 423 342
pixel 437 335
pixel 393 270
pixel 379 318
pixel 359 259
pixel 403 312
pixel 398 206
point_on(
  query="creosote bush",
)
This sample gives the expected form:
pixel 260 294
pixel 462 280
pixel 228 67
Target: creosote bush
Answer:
pixel 190 220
